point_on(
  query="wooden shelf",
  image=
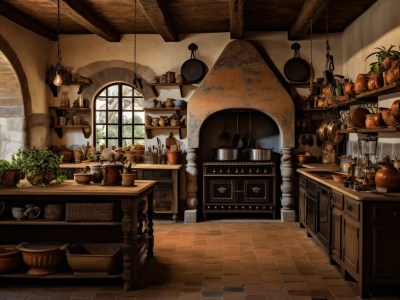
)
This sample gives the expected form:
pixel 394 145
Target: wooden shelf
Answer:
pixel 164 109
pixel 388 89
pixel 60 276
pixel 82 109
pixel 38 222
pixel 372 130
pixel 314 109
pixel 150 128
pixel 168 85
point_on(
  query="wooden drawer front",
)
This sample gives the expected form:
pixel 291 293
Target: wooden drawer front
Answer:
pixel 312 187
pixel 162 205
pixel 352 209
pixel 157 174
pixel 337 200
pixel 164 194
pixel 163 186
pixel 386 212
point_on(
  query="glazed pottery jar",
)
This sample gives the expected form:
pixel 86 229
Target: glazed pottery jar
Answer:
pixel 169 103
pixel 373 120
pixel 361 83
pixel 388 178
pixel 388 118
pixel 395 109
pixel 349 88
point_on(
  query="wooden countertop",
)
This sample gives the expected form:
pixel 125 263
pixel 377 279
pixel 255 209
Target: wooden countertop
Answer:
pixel 338 186
pixel 136 166
pixel 70 187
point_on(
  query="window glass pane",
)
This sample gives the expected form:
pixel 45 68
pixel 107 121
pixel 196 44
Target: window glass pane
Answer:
pixel 138 131
pixel 112 142
pixel 137 94
pixel 139 141
pixel 100 117
pixel 101 103
pixel 126 90
pixel 100 131
pixel 112 130
pixel 103 93
pixel 126 142
pixel 113 90
pixel 127 131
pixel 99 143
pixel 126 104
pixel 127 117
pixel 113 117
pixel 138 103
pixel 113 103
pixel 139 117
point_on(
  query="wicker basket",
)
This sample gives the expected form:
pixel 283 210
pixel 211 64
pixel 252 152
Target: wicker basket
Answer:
pixel 89 212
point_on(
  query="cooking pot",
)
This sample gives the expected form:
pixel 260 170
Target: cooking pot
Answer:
pixel 222 154
pixel 260 154
pixel 112 174
pixel 297 69
pixel 357 117
pixel 333 134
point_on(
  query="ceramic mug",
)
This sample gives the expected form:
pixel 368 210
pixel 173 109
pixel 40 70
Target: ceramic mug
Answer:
pixel 32 211
pixel 18 212
pixel 54 212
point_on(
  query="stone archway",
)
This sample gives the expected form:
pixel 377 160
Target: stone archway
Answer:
pixel 15 102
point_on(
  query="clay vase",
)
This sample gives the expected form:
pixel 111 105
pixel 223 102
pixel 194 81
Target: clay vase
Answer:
pixel 387 62
pixel 395 109
pixel 388 178
pixel 374 82
pixel 393 74
pixel 169 103
pixel 388 118
pixel 320 102
pixel 361 83
pixel 349 88
pixel 373 120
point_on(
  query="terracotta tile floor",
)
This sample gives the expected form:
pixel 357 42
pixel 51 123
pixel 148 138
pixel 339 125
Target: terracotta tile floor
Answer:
pixel 250 260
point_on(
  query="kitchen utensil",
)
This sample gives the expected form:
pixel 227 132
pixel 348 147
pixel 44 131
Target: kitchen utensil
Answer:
pixel 373 120
pixel 296 68
pixel 83 178
pixel 193 70
pixel 236 137
pixel 310 141
pixel 304 140
pixel 250 141
pixel 357 117
pixel 225 136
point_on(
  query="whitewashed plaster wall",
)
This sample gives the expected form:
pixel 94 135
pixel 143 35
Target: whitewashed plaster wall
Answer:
pixel 378 26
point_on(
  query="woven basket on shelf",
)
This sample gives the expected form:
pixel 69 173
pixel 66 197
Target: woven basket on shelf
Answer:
pixel 89 212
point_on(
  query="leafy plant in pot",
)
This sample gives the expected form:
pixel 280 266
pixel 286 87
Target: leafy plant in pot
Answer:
pixel 39 165
pixel 10 173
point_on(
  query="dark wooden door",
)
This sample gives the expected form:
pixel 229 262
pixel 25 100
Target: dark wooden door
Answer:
pixel 351 246
pixel 302 205
pixel 337 235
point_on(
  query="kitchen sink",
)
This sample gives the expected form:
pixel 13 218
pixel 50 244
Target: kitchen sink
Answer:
pixel 323 174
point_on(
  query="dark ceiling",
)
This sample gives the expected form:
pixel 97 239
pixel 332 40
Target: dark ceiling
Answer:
pixel 170 18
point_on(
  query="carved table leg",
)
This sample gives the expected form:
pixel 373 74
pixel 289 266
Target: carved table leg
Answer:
pixel 149 224
pixel 130 244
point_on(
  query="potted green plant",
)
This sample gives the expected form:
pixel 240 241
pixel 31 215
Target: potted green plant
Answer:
pixel 10 173
pixel 39 165
pixel 384 57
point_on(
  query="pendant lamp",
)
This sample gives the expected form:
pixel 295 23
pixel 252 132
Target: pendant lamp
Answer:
pixel 58 78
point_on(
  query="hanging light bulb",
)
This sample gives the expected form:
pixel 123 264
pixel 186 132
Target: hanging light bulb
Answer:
pixel 58 78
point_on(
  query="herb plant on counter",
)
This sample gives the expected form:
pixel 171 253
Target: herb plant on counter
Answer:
pixel 39 165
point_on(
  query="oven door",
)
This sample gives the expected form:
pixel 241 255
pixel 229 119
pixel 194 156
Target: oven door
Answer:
pixel 220 191
pixel 258 191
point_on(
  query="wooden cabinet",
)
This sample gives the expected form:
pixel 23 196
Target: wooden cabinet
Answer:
pixel 163 111
pixel 68 112
pixel 336 226
pixel 166 191
pixel 311 207
pixel 302 200
pixel 324 216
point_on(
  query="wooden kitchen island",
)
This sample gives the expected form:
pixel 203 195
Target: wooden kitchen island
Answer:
pixel 359 230
pixel 131 225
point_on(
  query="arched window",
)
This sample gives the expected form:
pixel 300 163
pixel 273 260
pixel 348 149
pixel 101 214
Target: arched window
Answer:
pixel 119 116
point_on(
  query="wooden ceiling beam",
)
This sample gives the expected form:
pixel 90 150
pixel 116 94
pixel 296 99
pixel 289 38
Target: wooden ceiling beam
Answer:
pixel 84 16
pixel 156 12
pixel 10 12
pixel 236 10
pixel 311 9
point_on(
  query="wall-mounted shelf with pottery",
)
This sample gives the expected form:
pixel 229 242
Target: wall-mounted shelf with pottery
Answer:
pixel 163 110
pixel 60 124
pixel 165 85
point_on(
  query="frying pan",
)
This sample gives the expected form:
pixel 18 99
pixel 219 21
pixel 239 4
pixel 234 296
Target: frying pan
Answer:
pixel 193 70
pixel 297 69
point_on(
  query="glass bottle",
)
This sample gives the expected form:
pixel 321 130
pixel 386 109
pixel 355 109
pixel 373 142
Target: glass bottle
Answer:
pixel 64 99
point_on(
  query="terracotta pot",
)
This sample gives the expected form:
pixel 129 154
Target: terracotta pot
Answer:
pixel 320 102
pixel 393 74
pixel 361 83
pixel 373 120
pixel 357 117
pixel 43 178
pixel 128 179
pixel 387 62
pixel 173 157
pixel 66 153
pixel 388 178
pixel 349 88
pixel 395 109
pixel 169 103
pixel 374 82
pixel 10 178
pixel 388 118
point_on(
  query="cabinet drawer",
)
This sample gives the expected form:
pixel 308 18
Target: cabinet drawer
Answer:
pixel 160 185
pixel 386 212
pixel 337 200
pixel 163 194
pixel 161 205
pixel 312 187
pixel 352 209
pixel 157 174
pixel 303 180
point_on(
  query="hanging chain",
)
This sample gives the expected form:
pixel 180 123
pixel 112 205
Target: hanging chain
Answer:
pixel 134 41
pixel 311 57
pixel 58 37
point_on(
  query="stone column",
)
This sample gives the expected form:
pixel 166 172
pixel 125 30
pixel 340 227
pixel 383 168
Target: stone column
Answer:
pixel 287 187
pixel 191 186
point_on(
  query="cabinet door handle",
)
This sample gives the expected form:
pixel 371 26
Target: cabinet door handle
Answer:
pixel 256 189
pixel 222 190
